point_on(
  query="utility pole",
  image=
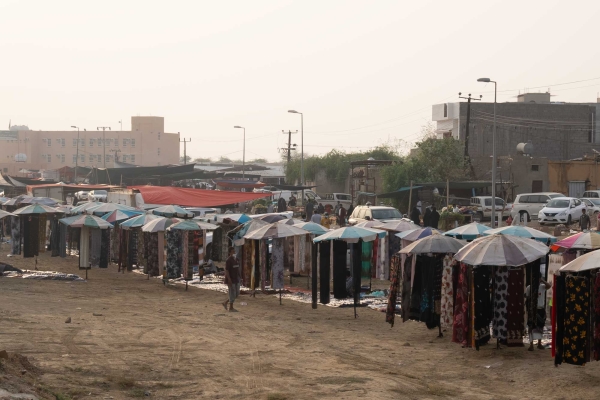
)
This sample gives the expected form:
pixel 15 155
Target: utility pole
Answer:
pixel 116 155
pixel 185 142
pixel 289 149
pixel 104 128
pixel 76 154
pixel 466 154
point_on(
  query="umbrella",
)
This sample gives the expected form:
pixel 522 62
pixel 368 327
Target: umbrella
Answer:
pixel 368 224
pixel 434 243
pixel 239 218
pixel 64 208
pixel 84 206
pixel 5 214
pixel 248 227
pixel 104 208
pixel 138 221
pixel 582 240
pixel 159 224
pixel 120 215
pixel 586 262
pixel 270 218
pixel 290 221
pixel 522 231
pixel 417 234
pixel 468 232
pixel 4 199
pixel 312 227
pixel 191 225
pixel 46 201
pixel 401 225
pixel 351 234
pixel 172 211
pixel 275 230
pixel 35 209
pixel 15 200
pixel 501 250
pixel 91 221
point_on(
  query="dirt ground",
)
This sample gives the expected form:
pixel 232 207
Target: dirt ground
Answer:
pixel 166 343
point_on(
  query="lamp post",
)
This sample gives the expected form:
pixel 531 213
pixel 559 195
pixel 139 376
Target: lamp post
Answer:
pixel 243 152
pixel 488 80
pixel 301 150
pixel 104 128
pixel 76 153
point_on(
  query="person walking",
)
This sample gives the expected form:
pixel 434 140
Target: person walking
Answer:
pixel 342 216
pixel 232 279
pixel 415 216
pixel 309 210
pixel 434 218
pixel 584 221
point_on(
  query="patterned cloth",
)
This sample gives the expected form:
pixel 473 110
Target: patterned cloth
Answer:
pixel 42 233
pixel 104 248
pixel 447 294
pixel 516 307
pixel 597 318
pixel 185 255
pixel 173 239
pixel 395 271
pixel 153 249
pixel 324 271
pixel 533 275
pixel 482 305
pixel 500 303
pixel 437 285
pixel 277 263
pixel 95 250
pixel 577 305
pixel 141 249
pixel 460 326
pixel 247 263
pixel 264 250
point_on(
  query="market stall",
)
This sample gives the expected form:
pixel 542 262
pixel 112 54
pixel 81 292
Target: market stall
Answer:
pixel 144 242
pixel 94 241
pixel 156 250
pixel 468 232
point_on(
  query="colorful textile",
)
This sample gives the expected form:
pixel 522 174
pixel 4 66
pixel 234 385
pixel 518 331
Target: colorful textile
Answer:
pixel 62 245
pixel 277 263
pixel 153 250
pixel 104 247
pixel 54 237
pixel 42 233
pixel 324 271
pixel 247 263
pixel 558 305
pixel 460 326
pixel 84 247
pixel 141 249
pixel 533 277
pixel 406 283
pixel 255 264
pixel 366 259
pixel 395 270
pixel 375 259
pixel 95 248
pixel 264 250
pixel 577 305
pixel 515 307
pixel 162 250
pixel 596 318
pixel 173 239
pixel 437 285
pixel 482 305
pixel 185 256
pixel 447 294
pixel 500 303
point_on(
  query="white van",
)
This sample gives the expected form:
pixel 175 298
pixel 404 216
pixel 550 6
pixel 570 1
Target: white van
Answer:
pixel 530 204
pixel 591 194
pixel 484 206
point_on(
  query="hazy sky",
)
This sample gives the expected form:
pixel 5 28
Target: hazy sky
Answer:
pixel 362 72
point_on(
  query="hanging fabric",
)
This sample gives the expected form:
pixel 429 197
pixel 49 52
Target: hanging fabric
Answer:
pixel 339 269
pixel 500 303
pixel 153 252
pixel 173 254
pixel 185 255
pixel 558 308
pixel 115 243
pixel 460 326
pixel 247 263
pixel 515 307
pixel 143 243
pixel 54 237
pixel 277 263
pixel 438 268
pixel 131 250
pixel 405 282
pixel 395 271
pixel 374 256
pixel 42 233
pixel 366 259
pixel 264 248
pixel 104 247
pixel 596 302
pixel 31 231
pixel 324 271
pixel 62 241
pixel 161 249
pixel 447 302
pixel 576 333
pixel 84 247
pixel 356 257
pixel 96 247
pixel 254 279
pixel 482 305
pixel 307 253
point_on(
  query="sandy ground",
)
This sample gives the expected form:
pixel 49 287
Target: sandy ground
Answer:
pixel 168 343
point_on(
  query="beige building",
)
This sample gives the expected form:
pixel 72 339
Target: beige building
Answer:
pixel 146 144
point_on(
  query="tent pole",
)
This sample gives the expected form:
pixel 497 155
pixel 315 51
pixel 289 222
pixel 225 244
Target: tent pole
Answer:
pixel 279 296
pixel 410 197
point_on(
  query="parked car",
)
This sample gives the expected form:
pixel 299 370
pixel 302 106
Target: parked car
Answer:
pixel 530 204
pixel 334 198
pixel 380 213
pixel 591 194
pixel 483 206
pixel 82 195
pixel 201 211
pixel 592 205
pixel 97 195
pixel 561 210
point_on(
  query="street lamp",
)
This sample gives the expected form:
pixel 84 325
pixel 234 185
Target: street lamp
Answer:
pixel 77 153
pixel 488 80
pixel 243 152
pixel 301 150
pixel 104 128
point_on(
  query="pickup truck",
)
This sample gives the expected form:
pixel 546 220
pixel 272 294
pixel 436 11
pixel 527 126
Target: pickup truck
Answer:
pixel 97 195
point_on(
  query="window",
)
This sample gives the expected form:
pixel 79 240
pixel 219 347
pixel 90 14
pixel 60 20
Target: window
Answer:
pixel 4 169
pixel 523 199
pixel 132 142
pixel 577 202
pixel 91 158
pixel 49 158
pixel 99 157
pixel 74 158
pixel 63 142
pixel 558 204
pixel 159 151
pixel 99 142
pixel 132 158
pixel 74 142
pixel 445 110
pixel 386 214
pixel 107 157
pixel 124 142
pixel 535 167
pixel 49 141
pixel 62 158
pixel 82 158
pixel 91 142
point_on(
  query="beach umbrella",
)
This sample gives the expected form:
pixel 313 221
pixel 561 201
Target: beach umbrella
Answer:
pixel 501 250
pixel 138 221
pixel 4 199
pixel 64 208
pixel 172 211
pixel 351 234
pixel 191 225
pixel 5 214
pixel 271 218
pixel 159 224
pixel 468 232
pixel 401 225
pixel 312 227
pixel 46 201
pixel 290 221
pixel 250 226
pixel 81 207
pixel 35 209
pixel 120 215
pixel 434 243
pixel 275 230
pixel 239 218
pixel 15 200
pixel 522 231
pixel 105 208
pixel 368 224
pixel 586 262
pixel 582 240
pixel 90 221
pixel 417 234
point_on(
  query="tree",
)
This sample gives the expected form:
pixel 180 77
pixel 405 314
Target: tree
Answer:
pixel 185 160
pixel 259 161
pixel 202 159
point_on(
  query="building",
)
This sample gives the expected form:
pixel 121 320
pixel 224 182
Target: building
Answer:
pixel 146 144
pixel 557 131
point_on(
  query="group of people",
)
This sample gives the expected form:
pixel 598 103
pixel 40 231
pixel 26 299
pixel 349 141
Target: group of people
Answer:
pixel 318 214
pixel 431 218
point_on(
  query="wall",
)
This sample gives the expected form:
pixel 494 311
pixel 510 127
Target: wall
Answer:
pixel 561 172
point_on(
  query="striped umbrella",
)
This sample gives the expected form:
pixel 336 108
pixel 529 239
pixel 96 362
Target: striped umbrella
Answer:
pixel 138 221
pixel 105 208
pixel 313 228
pixel 159 224
pixel 501 250
pixel 417 234
pixel 522 231
pixel 369 224
pixel 120 215
pixel 586 262
pixel 81 207
pixel 172 211
pixel 275 230
pixel 351 234
pixel 582 240
pixel 91 221
pixel 400 225
pixel 468 232
pixel 36 209
pixel 191 225
pixel 435 243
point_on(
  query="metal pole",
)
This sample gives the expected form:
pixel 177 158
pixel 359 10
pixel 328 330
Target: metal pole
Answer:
pixel 302 154
pixel 76 157
pixel 244 166
pixel 494 161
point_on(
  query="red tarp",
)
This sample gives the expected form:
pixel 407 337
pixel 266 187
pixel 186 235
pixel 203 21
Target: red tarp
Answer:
pixel 194 197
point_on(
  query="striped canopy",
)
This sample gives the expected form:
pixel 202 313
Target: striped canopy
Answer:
pixel 172 211
pixel 435 243
pixel 275 230
pixel 36 209
pixel 522 231
pixel 501 250
pixel 417 234
pixel 312 227
pixel 105 208
pixel 81 207
pixel 400 225
pixel 120 215
pixel 159 224
pixel 138 221
pixel 468 232
pixel 351 234
pixel 586 262
pixel 192 225
pixel 583 240
pixel 91 221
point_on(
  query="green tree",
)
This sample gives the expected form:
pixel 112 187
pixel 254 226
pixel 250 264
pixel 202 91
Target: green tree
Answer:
pixel 202 159
pixel 185 160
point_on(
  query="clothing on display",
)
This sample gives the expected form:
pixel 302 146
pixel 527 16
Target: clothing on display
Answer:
pixel 277 263
pixel 483 305
pixel 339 269
pixel 447 294
pixel 499 322
pixel 324 271
pixel 460 326
pixel 95 248
pixel 515 327
pixel 575 340
pixel 395 271
pixel 104 248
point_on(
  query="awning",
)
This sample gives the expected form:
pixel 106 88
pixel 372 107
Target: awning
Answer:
pixel 166 195
pixel 239 184
pixel 397 193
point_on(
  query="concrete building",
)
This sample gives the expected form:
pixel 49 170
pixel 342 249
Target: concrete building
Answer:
pixel 146 144
pixel 557 131
pixel 574 177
